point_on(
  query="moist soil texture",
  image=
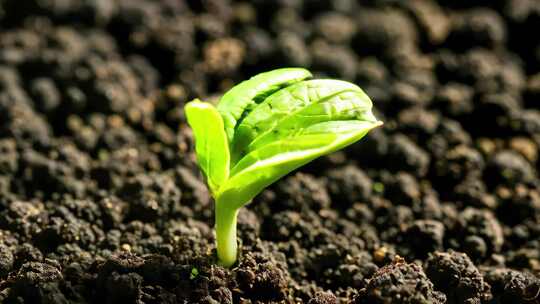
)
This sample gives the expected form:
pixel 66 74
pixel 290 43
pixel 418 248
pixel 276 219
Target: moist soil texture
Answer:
pixel 101 200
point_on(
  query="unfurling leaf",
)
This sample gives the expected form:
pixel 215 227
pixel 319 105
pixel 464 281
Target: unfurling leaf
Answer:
pixel 210 142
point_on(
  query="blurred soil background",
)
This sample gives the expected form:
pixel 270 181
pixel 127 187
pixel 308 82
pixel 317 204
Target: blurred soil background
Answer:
pixel 101 200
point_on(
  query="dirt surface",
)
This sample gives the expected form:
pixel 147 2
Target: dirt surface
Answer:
pixel 101 200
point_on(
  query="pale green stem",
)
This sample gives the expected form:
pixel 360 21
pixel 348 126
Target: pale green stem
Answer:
pixel 227 246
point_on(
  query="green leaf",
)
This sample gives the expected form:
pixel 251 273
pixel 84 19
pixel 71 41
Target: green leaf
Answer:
pixel 265 165
pixel 239 100
pixel 342 106
pixel 291 128
pixel 282 104
pixel 211 143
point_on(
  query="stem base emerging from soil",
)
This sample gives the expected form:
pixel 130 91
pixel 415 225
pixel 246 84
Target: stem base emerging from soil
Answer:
pixel 227 246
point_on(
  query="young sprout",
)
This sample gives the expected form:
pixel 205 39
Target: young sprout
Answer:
pixel 266 127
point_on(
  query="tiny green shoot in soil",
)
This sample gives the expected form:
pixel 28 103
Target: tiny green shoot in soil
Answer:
pixel 266 127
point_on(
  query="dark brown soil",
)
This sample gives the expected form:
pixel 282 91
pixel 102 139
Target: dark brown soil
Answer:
pixel 101 200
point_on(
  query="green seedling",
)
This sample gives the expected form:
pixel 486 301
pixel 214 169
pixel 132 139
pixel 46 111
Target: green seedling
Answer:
pixel 266 127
